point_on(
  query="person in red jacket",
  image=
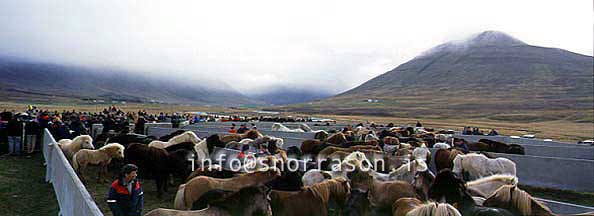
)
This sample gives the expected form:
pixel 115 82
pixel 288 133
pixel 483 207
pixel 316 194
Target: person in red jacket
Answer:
pixel 125 197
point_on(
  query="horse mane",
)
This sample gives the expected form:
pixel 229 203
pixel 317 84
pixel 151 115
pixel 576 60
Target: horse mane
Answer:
pixel 111 146
pixel 514 179
pixel 518 199
pixel 434 209
pixel 82 137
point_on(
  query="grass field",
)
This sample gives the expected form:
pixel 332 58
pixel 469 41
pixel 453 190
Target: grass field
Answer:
pixel 23 190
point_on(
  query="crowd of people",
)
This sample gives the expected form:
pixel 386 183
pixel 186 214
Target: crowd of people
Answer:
pixel 476 131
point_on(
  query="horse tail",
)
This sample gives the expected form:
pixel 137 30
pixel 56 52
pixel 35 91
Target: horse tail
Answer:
pixel 180 202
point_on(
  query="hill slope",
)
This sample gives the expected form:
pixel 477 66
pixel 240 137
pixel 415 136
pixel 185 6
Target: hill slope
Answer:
pixel 490 74
pixel 41 82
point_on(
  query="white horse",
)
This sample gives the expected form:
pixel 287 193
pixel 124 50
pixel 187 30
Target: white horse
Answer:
pixel 370 137
pixel 187 136
pixel 70 147
pixel 282 128
pixel 478 166
pixel 486 186
pixel 202 150
pixel 421 153
pixel 441 145
pixel 350 163
pixel 306 128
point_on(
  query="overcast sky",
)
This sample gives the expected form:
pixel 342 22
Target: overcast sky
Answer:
pixel 330 45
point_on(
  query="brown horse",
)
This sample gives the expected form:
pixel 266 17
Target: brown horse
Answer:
pixel 381 194
pixel 337 138
pixel 444 158
pixel 312 146
pixel 248 201
pixel 191 191
pixel 311 200
pixel 510 197
pixel 250 134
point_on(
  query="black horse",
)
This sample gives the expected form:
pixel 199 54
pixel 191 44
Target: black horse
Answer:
pixel 500 147
pixel 127 139
pixel 447 186
pixel 158 164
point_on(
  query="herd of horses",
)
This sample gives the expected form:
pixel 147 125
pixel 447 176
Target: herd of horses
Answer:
pixel 352 183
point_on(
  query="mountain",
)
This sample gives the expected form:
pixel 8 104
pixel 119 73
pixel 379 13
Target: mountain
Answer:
pixel 490 73
pixel 25 80
pixel 282 95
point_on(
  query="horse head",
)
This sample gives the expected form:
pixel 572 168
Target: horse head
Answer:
pixel 85 142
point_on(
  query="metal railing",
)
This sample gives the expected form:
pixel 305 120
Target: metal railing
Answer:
pixel 73 198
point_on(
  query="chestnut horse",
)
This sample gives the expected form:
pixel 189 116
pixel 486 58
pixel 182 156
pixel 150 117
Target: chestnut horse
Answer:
pixel 311 200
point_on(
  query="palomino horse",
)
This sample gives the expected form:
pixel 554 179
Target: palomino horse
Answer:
pixel 449 188
pixel 101 157
pixel 510 197
pixel 187 136
pixel 311 200
pixel 414 207
pixel 474 166
pixel 70 147
pixel 248 201
pixel 192 190
pixel 486 186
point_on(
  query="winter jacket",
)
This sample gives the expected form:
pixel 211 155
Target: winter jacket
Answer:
pixel 123 202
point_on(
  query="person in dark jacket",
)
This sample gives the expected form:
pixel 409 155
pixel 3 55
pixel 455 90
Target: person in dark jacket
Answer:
pixel 419 124
pixel 125 197
pixel 242 129
pixel 139 126
pixel 14 131
pixel 32 131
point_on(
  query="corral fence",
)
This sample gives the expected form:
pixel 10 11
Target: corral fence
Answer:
pixel 73 198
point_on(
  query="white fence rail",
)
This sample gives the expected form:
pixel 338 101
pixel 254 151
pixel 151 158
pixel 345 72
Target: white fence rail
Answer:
pixel 73 197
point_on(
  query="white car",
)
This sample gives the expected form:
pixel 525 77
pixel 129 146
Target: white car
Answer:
pixel 587 142
pixel 528 136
